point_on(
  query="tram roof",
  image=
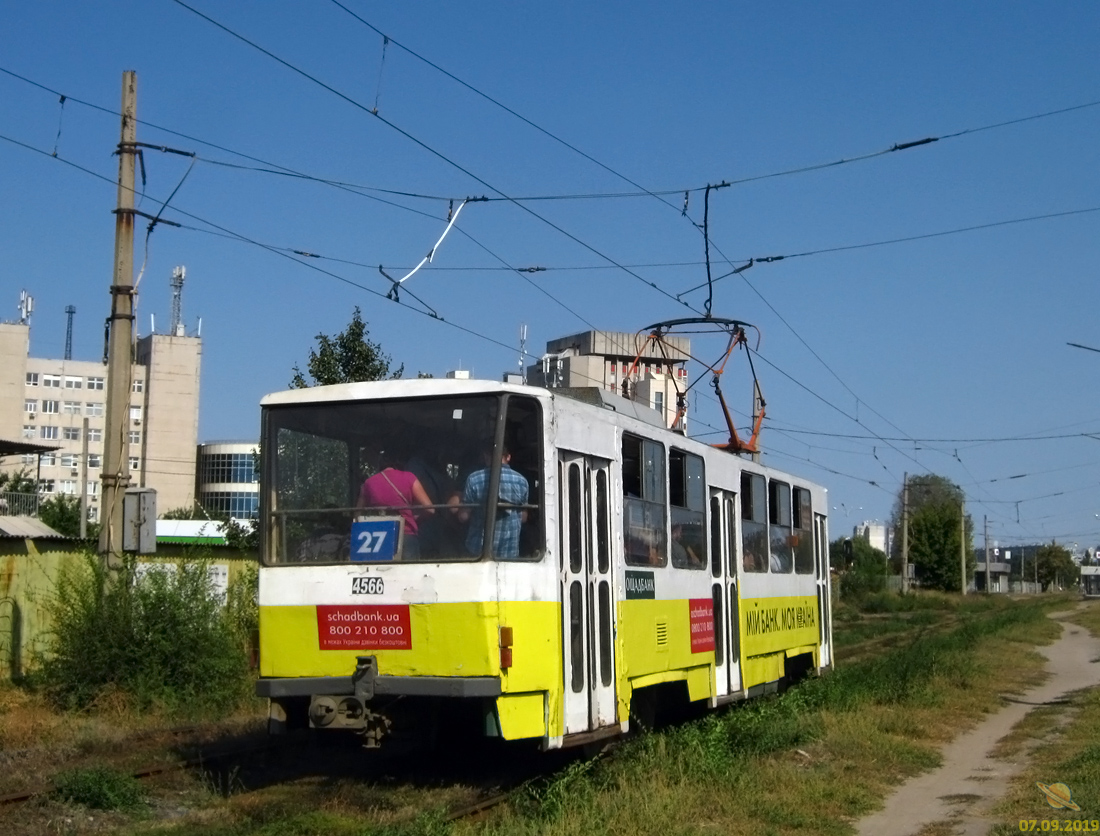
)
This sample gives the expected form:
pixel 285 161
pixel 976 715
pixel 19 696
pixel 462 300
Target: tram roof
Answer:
pixel 385 389
pixel 429 387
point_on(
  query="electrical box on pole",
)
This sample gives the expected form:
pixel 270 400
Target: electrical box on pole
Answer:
pixel 139 520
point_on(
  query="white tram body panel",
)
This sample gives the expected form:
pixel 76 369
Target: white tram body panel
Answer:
pixel 646 563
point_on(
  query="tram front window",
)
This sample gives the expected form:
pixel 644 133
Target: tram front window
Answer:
pixel 383 481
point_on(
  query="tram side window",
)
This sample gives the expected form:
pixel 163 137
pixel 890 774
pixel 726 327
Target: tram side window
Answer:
pixel 754 523
pixel 644 502
pixel 715 536
pixel 779 515
pixel 523 439
pixel 687 508
pixel 803 532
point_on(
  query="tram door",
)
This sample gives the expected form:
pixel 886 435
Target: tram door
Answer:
pixel 588 608
pixel 723 570
pixel 824 604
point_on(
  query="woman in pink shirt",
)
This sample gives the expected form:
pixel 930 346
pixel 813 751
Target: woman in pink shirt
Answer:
pixel 398 490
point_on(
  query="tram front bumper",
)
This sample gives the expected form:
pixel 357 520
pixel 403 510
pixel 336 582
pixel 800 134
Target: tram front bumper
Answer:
pixel 408 686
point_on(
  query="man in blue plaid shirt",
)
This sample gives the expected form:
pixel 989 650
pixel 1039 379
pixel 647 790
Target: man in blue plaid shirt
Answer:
pixel 514 490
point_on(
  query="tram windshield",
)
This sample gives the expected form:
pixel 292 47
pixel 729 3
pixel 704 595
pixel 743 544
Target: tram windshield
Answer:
pixel 404 480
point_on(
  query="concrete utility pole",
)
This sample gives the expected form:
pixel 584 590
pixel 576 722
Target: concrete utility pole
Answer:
pixel 985 523
pixel 115 476
pixel 905 534
pixel 84 480
pixel 962 546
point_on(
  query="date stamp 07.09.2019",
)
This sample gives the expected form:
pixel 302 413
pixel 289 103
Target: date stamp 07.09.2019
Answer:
pixel 1060 825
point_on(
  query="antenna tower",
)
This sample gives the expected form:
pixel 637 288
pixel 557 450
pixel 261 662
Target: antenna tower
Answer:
pixel 522 351
pixel 26 307
pixel 178 275
pixel 69 311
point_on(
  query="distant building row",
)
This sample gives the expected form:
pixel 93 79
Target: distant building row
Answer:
pixel 61 404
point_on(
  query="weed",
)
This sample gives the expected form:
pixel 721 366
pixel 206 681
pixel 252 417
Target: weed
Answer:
pixel 100 788
pixel 549 800
pixel 161 638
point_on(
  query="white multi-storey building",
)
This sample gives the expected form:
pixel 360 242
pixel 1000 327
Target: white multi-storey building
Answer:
pixel 63 403
pixel 875 533
pixel 228 482
pixel 605 359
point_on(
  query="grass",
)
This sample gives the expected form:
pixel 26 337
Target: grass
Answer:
pixel 812 760
pixel 1063 742
pixel 815 758
pixel 99 788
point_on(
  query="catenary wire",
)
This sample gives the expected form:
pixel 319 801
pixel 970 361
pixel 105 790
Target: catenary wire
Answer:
pixel 364 288
pixel 439 155
pixel 274 168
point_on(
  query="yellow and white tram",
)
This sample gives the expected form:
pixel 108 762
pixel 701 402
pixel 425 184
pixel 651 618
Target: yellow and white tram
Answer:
pixel 1090 580
pixel 642 567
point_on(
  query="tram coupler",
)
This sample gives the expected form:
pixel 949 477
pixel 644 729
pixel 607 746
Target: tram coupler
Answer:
pixel 366 671
pixel 377 727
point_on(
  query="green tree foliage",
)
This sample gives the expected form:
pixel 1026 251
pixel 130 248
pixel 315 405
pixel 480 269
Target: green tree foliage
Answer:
pixel 184 512
pixel 61 512
pixel 161 637
pixel 20 481
pixel 1055 567
pixel 862 567
pixel 935 508
pixel 348 357
pixel 315 469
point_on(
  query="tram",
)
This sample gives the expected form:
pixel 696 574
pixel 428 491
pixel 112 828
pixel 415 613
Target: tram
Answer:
pixel 576 564
pixel 1090 580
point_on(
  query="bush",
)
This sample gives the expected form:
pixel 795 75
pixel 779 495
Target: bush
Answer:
pixel 99 787
pixel 865 572
pixel 160 636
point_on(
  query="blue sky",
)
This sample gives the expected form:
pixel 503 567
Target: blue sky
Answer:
pixel 934 355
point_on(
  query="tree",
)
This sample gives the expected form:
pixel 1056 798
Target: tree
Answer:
pixel 1055 567
pixel 184 512
pixel 346 358
pixel 20 481
pixel 62 513
pixel 935 508
pixel 862 567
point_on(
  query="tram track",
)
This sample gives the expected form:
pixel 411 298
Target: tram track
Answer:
pixel 472 784
pixel 148 772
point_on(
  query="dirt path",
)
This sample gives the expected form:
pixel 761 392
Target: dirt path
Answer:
pixel 971 781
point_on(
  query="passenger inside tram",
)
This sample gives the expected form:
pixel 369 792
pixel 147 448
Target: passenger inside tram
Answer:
pixel 512 494
pixel 394 489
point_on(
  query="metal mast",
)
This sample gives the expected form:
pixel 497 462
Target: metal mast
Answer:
pixel 178 275
pixel 69 311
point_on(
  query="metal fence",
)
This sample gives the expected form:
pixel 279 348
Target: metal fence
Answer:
pixel 19 504
pixel 893 584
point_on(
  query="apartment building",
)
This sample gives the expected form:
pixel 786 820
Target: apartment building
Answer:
pixel 63 403
pixel 605 360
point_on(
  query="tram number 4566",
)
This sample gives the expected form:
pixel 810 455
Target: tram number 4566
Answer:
pixel 367 586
